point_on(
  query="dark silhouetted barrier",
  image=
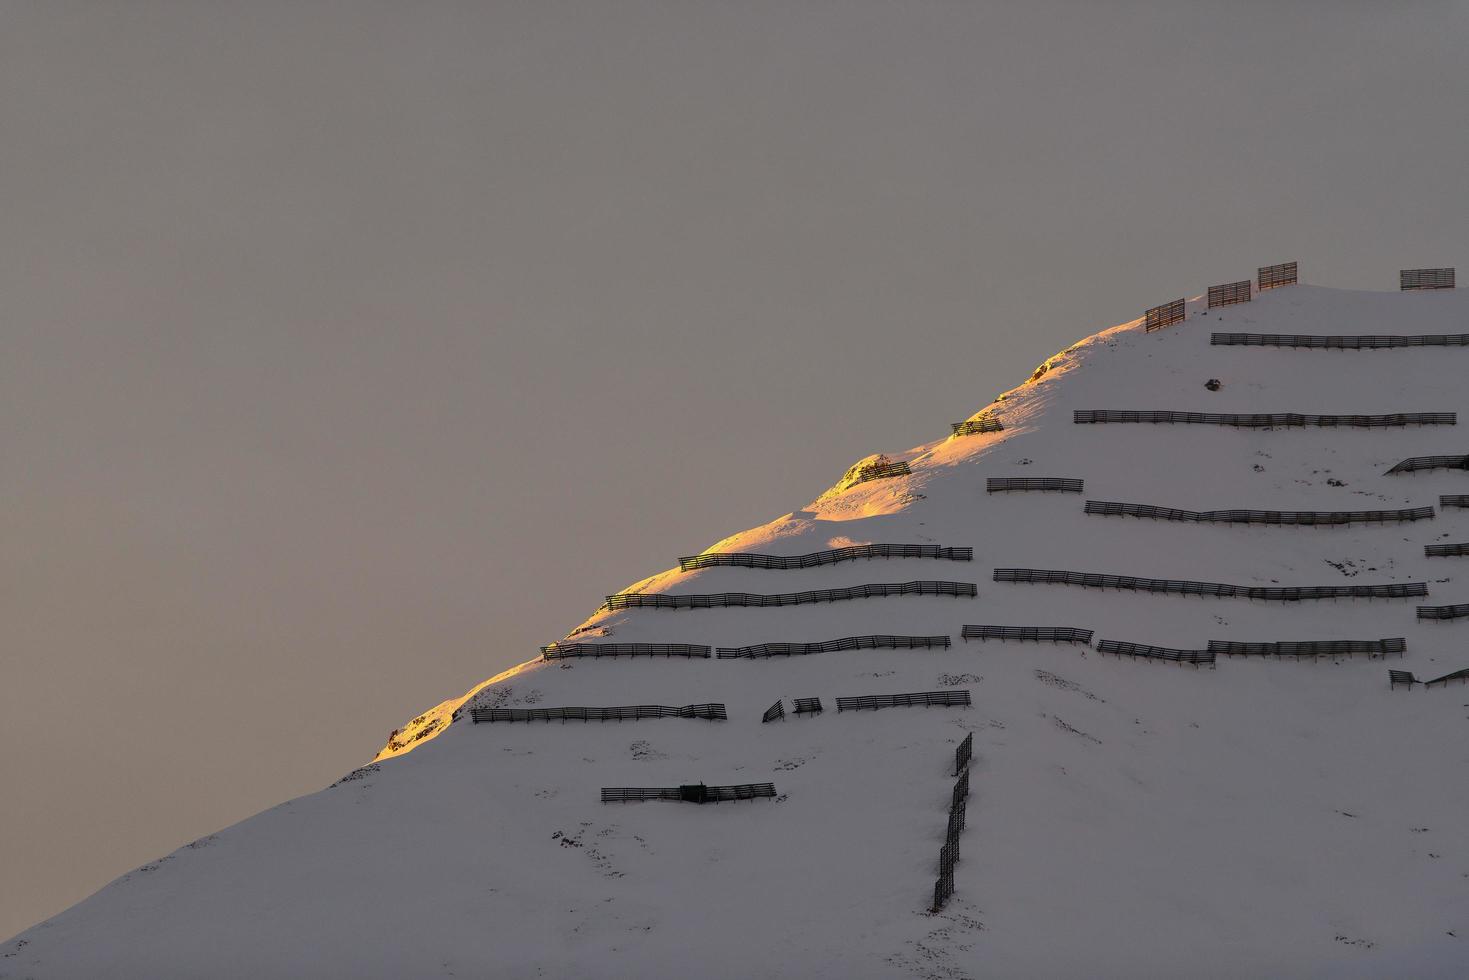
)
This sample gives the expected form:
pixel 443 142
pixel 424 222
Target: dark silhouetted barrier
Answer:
pixel 557 651
pixel 1270 276
pixel 996 484
pixel 963 754
pixel 1303 518
pixel 631 712
pixel 696 793
pixel 1053 634
pixel 1396 677
pixel 807 706
pixel 880 471
pixel 833 646
pixel 1454 500
pixel 1229 293
pixel 776 712
pixel 1046 576
pixel 1283 420
pixel 1121 648
pixel 1311 648
pixel 1409 279
pixel 974 427
pixel 1339 342
pixel 1415 463
pixel 924 698
pixel 1444 612
pixel 1462 676
pixel 1446 550
pixel 851 553
pixel 658 600
pixel 1163 315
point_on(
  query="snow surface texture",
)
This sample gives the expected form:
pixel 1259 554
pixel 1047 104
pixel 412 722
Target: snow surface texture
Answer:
pixel 1127 818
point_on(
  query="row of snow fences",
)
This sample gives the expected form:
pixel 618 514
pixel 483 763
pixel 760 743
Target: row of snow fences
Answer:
pixel 1328 342
pixel 1396 677
pixel 963 754
pixel 630 712
pixel 1445 550
pixel 693 793
pixel 1414 463
pixel 776 712
pixel 996 484
pixel 1310 648
pixel 1280 420
pixel 807 706
pixel 1409 279
pixel 557 651
pixel 1121 648
pixel 1271 276
pixel 943 888
pixel 928 699
pixel 1163 315
pixel 881 471
pixel 850 553
pixel 1305 518
pixel 657 600
pixel 833 646
pixel 974 427
pixel 1053 634
pixel 1047 576
pixel 1229 293
pixel 1454 500
pixel 1459 611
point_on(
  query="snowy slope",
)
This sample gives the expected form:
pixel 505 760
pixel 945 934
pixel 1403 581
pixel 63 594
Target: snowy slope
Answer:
pixel 1127 818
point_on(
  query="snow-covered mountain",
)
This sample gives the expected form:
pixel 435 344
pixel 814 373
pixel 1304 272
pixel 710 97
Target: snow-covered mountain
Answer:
pixel 1126 817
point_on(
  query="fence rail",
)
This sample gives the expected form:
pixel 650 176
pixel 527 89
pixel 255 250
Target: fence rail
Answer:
pixel 696 793
pixel 808 706
pixel 1229 293
pixel 1409 279
pixel 557 651
pixel 974 427
pixel 881 471
pixel 926 698
pixel 629 712
pixel 1446 550
pixel 996 484
pixel 658 600
pixel 744 559
pixel 1444 612
pixel 1339 341
pixel 1054 634
pixel 875 642
pixel 1282 420
pixel 1310 648
pixel 962 755
pixel 1462 676
pixel 1305 518
pixel 1270 276
pixel 1163 315
pixel 776 712
pixel 1396 677
pixel 1122 648
pixel 1045 576
pixel 1454 500
pixel 1414 463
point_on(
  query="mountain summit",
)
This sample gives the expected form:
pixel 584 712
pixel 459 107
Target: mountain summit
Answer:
pixel 1195 766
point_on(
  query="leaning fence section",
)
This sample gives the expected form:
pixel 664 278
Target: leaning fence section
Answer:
pixel 1411 279
pixel 1048 576
pixel 1270 276
pixel 557 651
pixel 776 712
pixel 1163 315
pixel 1339 342
pixel 873 642
pixel 629 712
pixel 693 793
pixel 998 484
pixel 833 556
pixel 1229 293
pixel 927 699
pixel 658 600
pixel 1415 463
pixel 1304 518
pixel 1122 648
pixel 1281 420
pixel 1053 634
pixel 1311 648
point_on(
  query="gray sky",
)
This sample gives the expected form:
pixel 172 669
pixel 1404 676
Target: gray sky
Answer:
pixel 350 351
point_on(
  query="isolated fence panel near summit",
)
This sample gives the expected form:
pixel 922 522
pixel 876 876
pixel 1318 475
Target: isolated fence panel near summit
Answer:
pixel 743 559
pixel 1229 293
pixel 1054 634
pixel 631 712
pixel 833 646
pixel 1339 342
pixel 1281 420
pixel 881 471
pixel 974 427
pixel 1304 518
pixel 1048 576
pixel 1410 279
pixel 1163 315
pixel 1271 276
pixel 997 484
pixel 658 600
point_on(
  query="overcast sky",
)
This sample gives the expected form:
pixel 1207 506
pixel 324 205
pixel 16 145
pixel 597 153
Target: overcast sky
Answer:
pixel 348 352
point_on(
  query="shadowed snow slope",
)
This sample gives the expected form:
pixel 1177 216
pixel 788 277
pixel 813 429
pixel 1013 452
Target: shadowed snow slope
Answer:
pixel 1127 818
